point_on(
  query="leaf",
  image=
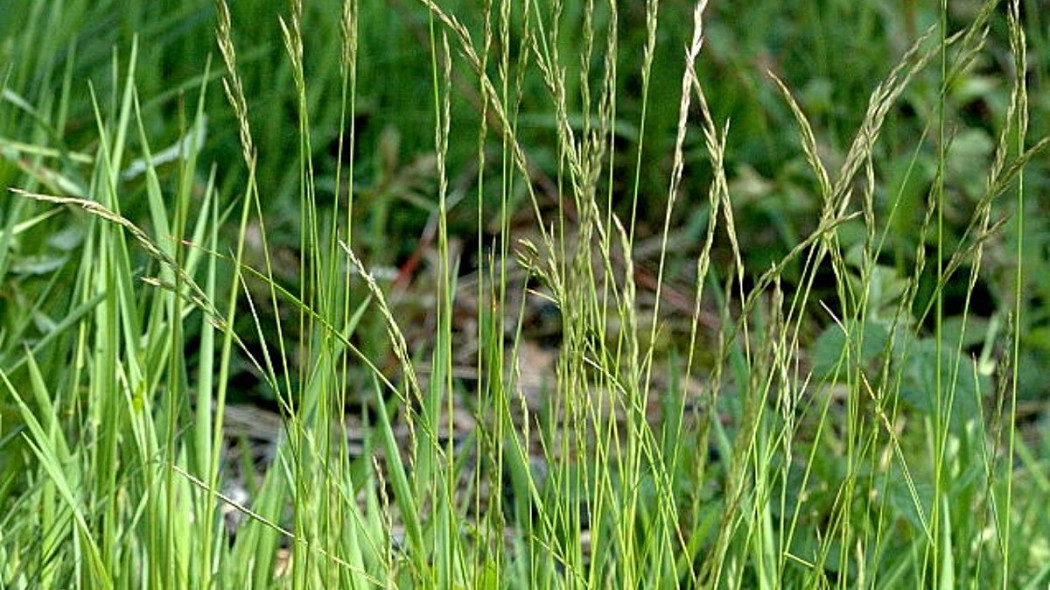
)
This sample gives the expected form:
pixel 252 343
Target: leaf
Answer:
pixel 958 397
pixel 829 351
pixel 38 265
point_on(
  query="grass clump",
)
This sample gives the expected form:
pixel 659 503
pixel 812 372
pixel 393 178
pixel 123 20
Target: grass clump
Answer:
pixel 524 351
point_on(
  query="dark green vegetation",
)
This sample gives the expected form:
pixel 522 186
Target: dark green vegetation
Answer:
pixel 524 294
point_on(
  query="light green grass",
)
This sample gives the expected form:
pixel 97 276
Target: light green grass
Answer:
pixel 833 428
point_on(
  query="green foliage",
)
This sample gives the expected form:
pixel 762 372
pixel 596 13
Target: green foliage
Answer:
pixel 523 295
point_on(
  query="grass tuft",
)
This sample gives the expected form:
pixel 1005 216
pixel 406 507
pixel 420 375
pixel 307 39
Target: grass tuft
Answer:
pixel 461 317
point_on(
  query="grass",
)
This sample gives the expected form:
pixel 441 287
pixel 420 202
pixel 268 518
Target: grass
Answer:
pixel 509 340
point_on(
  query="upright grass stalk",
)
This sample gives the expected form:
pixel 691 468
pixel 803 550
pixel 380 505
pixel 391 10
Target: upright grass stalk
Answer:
pixel 1018 107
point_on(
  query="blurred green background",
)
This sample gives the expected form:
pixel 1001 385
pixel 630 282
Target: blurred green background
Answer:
pixel 830 53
